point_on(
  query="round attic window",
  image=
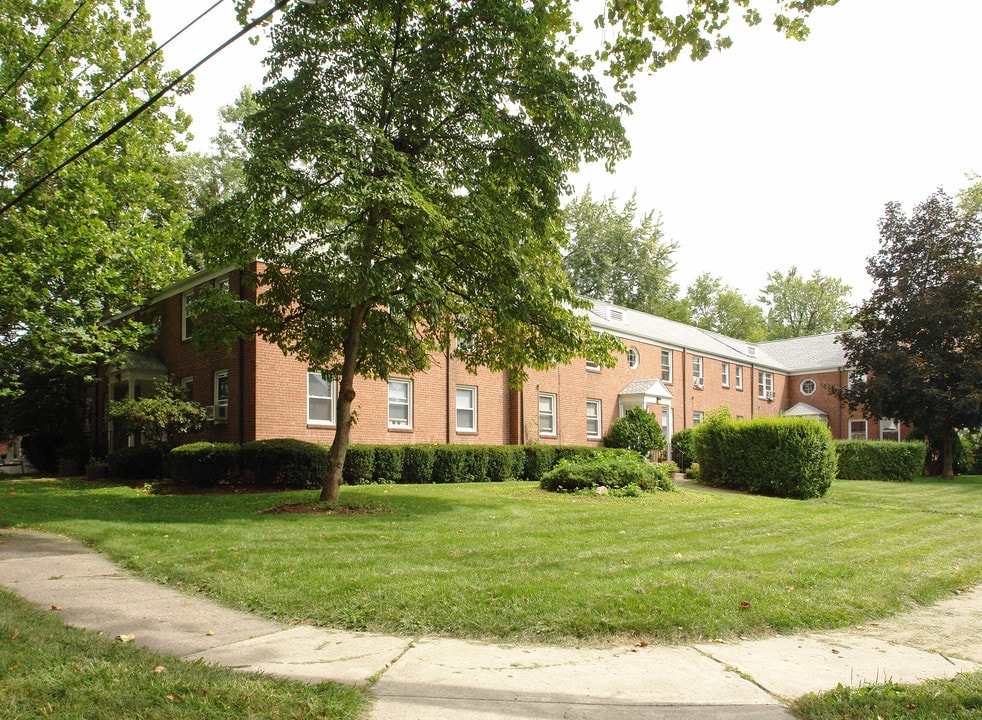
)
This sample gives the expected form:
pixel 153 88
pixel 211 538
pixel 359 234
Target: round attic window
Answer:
pixel 632 358
pixel 808 387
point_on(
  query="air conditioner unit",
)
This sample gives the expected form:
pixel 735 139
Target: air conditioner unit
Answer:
pixel 221 413
pixel 771 395
pixel 697 383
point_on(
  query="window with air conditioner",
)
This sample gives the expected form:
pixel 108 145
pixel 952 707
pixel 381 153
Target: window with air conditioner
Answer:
pixel 221 396
pixel 765 385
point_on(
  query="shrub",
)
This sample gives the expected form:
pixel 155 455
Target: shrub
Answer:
pixel 388 464
pixel 449 464
pixel 135 463
pixel 202 464
pixel 638 430
pixel 629 473
pixel 880 459
pixel 417 464
pixel 285 463
pixel 683 449
pixel 505 462
pixel 539 460
pixel 476 461
pixel 785 457
pixel 693 472
pixel 72 459
pixel 359 465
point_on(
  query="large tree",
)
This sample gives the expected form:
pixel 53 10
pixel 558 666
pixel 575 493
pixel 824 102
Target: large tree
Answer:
pixel 408 161
pixel 614 256
pixel 917 354
pixel 798 306
pixel 103 233
pixel 712 305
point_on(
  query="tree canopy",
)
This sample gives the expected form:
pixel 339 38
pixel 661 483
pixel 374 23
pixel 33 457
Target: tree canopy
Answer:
pixel 799 306
pixel 612 256
pixel 917 354
pixel 104 232
pixel 718 307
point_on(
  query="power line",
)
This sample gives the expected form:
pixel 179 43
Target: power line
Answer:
pixel 107 88
pixel 43 48
pixel 140 110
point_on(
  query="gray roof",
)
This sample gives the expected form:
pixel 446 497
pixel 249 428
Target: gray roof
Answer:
pixel 645 387
pixel 789 356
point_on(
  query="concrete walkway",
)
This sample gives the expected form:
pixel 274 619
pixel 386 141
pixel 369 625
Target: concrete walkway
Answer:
pixel 437 679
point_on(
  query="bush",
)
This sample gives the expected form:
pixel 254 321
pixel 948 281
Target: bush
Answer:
pixel 638 430
pixel 285 463
pixel 683 449
pixel 785 457
pixel 476 461
pixel 417 464
pixel 359 465
pixel 505 462
pixel 135 463
pixel 202 464
pixel 539 459
pixel 880 459
pixel 618 472
pixel 449 464
pixel 388 464
pixel 693 472
pixel 72 459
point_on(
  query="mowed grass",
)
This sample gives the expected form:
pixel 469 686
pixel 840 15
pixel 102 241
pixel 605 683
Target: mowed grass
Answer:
pixel 510 561
pixel 48 670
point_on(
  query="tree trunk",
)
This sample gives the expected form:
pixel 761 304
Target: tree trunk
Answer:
pixel 331 487
pixel 947 455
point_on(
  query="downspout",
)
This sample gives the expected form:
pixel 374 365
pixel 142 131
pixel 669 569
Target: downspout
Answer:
pixel 753 372
pixel 521 415
pixel 241 378
pixel 448 390
pixel 685 391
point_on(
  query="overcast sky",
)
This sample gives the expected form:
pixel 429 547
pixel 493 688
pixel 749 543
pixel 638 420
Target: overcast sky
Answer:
pixel 771 154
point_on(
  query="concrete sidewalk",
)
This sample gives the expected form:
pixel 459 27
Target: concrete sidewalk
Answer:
pixel 437 679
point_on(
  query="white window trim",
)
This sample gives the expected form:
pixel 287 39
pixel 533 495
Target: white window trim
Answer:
pixel 472 391
pixel 666 366
pixel 801 387
pixel 765 383
pixel 596 416
pixel 886 421
pixel 725 374
pixel 633 358
pixel 738 377
pixel 186 300
pixel 551 414
pixel 697 365
pixel 331 397
pixel 221 406
pixel 865 428
pixel 698 418
pixel 187 385
pixel 399 424
pixel 592 366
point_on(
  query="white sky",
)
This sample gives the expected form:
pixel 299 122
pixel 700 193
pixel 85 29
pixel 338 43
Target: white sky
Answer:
pixel 771 154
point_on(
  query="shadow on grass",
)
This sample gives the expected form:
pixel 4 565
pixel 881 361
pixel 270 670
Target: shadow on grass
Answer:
pixel 39 501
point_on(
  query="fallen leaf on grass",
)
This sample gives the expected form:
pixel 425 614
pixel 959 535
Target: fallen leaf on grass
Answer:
pixel 159 669
pixel 55 607
pixel 15 635
pixel 744 605
pixel 126 638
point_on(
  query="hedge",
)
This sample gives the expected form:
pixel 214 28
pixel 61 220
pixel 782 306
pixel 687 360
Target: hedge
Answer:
pixel 388 464
pixel 202 464
pixel 621 473
pixel 135 463
pixel 285 463
pixel 784 457
pixel 880 459
pixel 683 449
pixel 359 465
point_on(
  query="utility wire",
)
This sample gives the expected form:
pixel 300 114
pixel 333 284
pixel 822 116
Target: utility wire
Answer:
pixel 108 87
pixel 43 48
pixel 140 110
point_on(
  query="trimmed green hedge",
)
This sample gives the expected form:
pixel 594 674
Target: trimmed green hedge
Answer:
pixel 135 463
pixel 880 460
pixel 202 464
pixel 359 465
pixel 284 463
pixel 621 473
pixel 784 457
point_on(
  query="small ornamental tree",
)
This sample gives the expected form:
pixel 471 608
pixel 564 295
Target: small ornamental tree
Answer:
pixel 638 430
pixel 160 418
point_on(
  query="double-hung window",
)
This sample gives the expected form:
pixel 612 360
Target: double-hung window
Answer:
pixel 401 404
pixel 187 322
pixel 221 396
pixel 593 429
pixel 547 414
pixel 765 385
pixel 697 377
pixel 738 376
pixel 666 366
pixel 320 400
pixel 725 375
pixel 466 408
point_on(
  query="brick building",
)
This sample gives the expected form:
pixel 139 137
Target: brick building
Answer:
pixel 676 371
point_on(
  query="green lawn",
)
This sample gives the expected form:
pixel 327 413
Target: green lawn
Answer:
pixel 510 561
pixel 48 670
